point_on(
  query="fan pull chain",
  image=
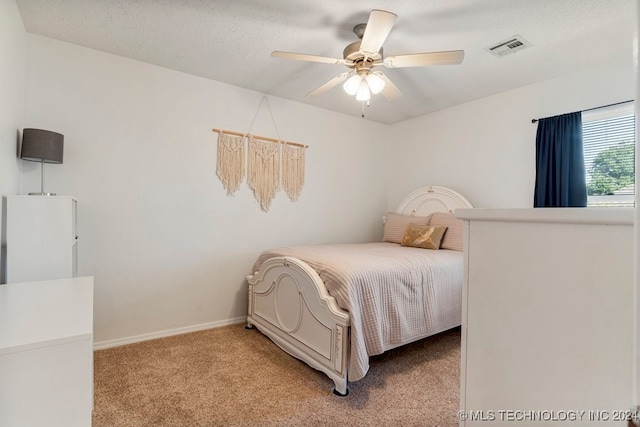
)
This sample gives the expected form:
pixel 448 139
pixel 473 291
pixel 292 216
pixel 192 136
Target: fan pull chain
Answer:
pixel 368 104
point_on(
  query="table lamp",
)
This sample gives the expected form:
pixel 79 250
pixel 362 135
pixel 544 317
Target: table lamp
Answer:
pixel 42 146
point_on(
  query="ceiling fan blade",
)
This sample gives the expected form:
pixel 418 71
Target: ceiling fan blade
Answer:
pixel 329 85
pixel 378 28
pixel 389 91
pixel 309 58
pixel 450 57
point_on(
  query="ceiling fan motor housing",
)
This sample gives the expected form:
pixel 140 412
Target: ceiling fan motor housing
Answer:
pixel 352 53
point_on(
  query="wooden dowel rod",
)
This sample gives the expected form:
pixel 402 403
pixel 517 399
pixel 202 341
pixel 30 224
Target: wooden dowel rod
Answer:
pixel 264 138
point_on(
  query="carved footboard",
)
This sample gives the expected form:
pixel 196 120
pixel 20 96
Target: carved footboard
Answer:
pixel 289 303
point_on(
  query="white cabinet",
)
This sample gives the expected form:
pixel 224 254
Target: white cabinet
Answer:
pixel 46 353
pixel 41 238
pixel 548 317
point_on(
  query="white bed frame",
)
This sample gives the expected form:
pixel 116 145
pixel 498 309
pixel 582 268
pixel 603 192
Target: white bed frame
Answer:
pixel 289 303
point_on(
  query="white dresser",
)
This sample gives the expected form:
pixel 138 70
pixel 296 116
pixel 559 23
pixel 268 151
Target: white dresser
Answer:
pixel 46 353
pixel 41 238
pixel 547 328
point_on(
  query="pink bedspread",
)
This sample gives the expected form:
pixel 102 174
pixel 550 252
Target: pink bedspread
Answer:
pixel 394 294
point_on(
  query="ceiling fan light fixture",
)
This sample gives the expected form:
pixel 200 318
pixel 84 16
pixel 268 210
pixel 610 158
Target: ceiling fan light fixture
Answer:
pixel 363 93
pixel 352 84
pixel 375 83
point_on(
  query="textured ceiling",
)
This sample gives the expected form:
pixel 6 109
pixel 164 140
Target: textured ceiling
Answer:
pixel 231 41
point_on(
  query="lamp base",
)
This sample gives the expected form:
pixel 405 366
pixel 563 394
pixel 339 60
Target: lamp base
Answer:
pixel 42 194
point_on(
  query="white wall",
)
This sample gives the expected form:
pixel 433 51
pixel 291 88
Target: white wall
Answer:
pixel 167 247
pixel 12 65
pixel 486 148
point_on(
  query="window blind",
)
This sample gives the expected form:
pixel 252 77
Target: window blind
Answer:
pixel 609 156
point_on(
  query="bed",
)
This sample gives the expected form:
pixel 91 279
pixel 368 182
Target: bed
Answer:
pixel 333 306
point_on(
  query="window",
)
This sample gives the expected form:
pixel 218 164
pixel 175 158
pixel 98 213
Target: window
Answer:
pixel 609 140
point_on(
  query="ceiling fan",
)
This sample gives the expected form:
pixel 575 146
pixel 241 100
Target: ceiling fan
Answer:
pixel 364 55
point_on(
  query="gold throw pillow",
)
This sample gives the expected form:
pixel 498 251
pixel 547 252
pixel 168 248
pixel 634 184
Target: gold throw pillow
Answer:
pixel 423 236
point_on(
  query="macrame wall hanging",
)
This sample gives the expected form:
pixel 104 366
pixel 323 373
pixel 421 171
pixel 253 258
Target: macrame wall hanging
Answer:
pixel 230 163
pixel 292 171
pixel 263 165
pixel 271 164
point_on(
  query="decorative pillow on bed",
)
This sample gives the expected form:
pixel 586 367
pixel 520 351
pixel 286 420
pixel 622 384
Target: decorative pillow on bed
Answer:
pixel 423 236
pixel 395 225
pixel 453 237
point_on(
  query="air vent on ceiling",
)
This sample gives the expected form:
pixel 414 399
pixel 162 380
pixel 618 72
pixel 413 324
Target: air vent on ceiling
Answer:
pixel 507 46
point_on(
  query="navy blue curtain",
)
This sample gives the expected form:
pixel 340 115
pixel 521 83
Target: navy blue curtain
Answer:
pixel 560 175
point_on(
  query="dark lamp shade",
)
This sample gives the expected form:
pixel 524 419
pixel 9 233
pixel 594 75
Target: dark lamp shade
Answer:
pixel 42 146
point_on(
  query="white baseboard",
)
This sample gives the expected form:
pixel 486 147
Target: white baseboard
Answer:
pixel 167 333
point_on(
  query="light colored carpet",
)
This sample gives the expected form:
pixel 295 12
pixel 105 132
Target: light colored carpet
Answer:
pixel 231 376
